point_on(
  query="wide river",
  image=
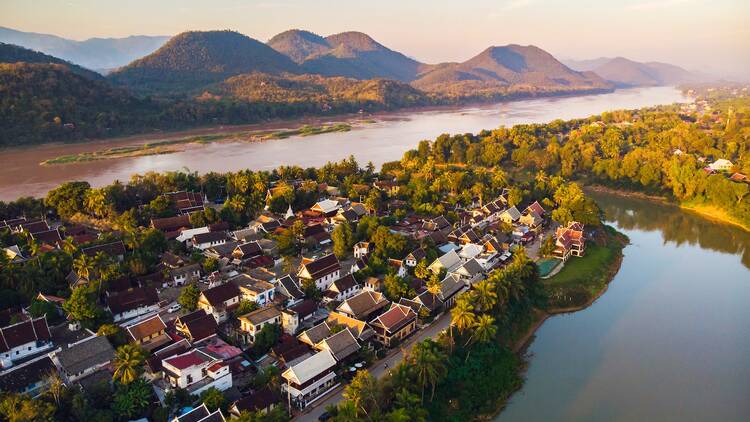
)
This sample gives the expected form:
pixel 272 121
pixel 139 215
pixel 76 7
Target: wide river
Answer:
pixel 386 140
pixel 669 340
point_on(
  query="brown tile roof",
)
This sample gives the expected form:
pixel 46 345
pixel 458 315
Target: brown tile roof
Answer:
pixel 305 308
pixel 262 315
pixel 111 249
pixel 261 399
pixel 132 299
pixel 198 325
pixel 395 318
pixel 146 328
pixel 342 345
pixel 169 224
pixel 322 266
pixel 364 304
pixel 24 332
pixel 216 296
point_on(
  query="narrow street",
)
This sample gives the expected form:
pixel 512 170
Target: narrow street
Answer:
pixel 378 369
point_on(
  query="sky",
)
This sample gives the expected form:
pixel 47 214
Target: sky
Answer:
pixel 706 35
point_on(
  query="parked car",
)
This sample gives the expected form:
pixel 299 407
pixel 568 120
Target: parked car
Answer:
pixel 174 308
pixel 324 416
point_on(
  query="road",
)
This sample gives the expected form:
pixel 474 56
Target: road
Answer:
pixel 379 368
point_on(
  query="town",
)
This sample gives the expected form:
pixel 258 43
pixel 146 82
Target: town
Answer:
pixel 267 317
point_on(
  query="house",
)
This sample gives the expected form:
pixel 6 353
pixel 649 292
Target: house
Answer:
pixel 342 345
pixel 532 220
pixel 252 323
pixel 364 306
pixel 343 288
pixel 362 249
pixel 438 223
pixel 450 288
pixel 196 326
pixel 721 165
pixel 83 358
pixel 201 414
pixel 470 251
pixel 397 266
pixel 315 335
pixel 132 303
pixel 288 287
pixel 171 226
pixel 428 300
pixel 204 241
pixel 48 237
pixel 361 331
pixel 322 271
pixel 316 234
pixel 183 275
pixel 148 333
pixel 24 339
pixel 247 251
pixel 345 216
pixel 196 371
pixel 294 316
pixel 389 187
pixel 510 215
pixel 738 177
pixel 263 401
pixel 537 208
pixel 254 290
pixel 14 254
pixel 394 325
pixel 170 260
pixel 219 300
pixel 309 379
pixel 186 235
pixel 569 241
pixel 469 272
pixel 29 377
pixel 414 257
pixel 373 284
pixel 448 262
pixel 113 249
pixel 327 207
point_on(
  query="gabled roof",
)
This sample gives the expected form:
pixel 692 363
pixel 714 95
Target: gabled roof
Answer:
pixel 513 213
pixel 341 345
pixel 209 237
pixel 216 296
pixel 21 377
pixel 417 254
pixel 194 357
pixel 359 328
pixel 321 267
pixel 132 299
pixel 536 207
pixel 450 285
pixel 432 302
pixel 363 304
pixel 248 250
pixel 343 284
pixel 289 287
pixel 259 400
pixel 201 414
pixel 449 260
pixel 86 354
pixel 469 268
pixel 50 237
pixel 305 308
pixel 326 206
pixel 146 327
pixel 310 367
pixel 261 315
pixel 169 224
pixel 111 249
pixel 395 318
pixel 197 324
pixel 24 332
pixel 316 334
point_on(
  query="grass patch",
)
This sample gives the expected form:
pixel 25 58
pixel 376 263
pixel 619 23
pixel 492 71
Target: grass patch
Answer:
pixel 715 213
pixel 308 131
pixel 583 279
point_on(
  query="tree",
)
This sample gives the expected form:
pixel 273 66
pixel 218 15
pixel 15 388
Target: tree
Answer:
pixel 40 308
pixel 81 305
pixel 16 407
pixel 132 399
pixel 67 199
pixel 485 296
pixel 363 393
pixel 343 240
pixel 210 264
pixel 547 247
pixel 396 288
pixel 421 271
pixel 429 364
pixel 462 315
pixel 484 329
pixel 189 297
pixel 213 399
pixel 265 339
pixel 128 363
pixel 246 306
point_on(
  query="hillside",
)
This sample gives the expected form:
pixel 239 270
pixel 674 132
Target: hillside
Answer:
pixel 321 94
pixel 349 54
pixel 42 102
pixel 13 54
pixel 507 70
pixel 192 60
pixel 93 53
pixel 629 73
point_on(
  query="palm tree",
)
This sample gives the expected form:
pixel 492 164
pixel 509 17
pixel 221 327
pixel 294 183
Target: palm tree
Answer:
pixel 485 295
pixel 484 329
pixel 429 363
pixel 55 386
pixel 128 361
pixel 83 266
pixel 434 286
pixel 462 315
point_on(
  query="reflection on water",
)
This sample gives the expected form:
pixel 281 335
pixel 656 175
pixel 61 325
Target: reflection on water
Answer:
pixel 675 225
pixel 383 141
pixel 668 341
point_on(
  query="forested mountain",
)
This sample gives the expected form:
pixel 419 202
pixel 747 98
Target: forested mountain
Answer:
pixel 93 53
pixel 13 54
pixel 194 59
pixel 627 73
pixel 507 69
pixel 351 54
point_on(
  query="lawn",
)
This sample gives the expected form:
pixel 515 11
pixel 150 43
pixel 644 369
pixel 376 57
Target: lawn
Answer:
pixel 582 279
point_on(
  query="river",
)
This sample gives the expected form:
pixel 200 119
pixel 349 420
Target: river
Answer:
pixel 385 140
pixel 668 341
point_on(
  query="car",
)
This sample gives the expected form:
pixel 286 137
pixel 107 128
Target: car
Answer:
pixel 324 416
pixel 174 308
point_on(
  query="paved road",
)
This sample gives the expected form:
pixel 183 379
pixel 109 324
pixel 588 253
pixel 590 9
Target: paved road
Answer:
pixel 438 325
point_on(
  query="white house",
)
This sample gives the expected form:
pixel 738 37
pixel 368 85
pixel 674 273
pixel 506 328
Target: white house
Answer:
pixel 252 323
pixel 447 261
pixel 219 300
pixel 326 206
pixel 343 288
pixel 310 378
pixel 24 339
pixel 133 303
pixel 186 236
pixel 83 358
pixel 721 165
pixel 196 371
pixel 204 241
pixel 323 271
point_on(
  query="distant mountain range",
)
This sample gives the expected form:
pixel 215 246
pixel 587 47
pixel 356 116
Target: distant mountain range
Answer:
pixel 10 53
pixel 628 73
pixel 100 54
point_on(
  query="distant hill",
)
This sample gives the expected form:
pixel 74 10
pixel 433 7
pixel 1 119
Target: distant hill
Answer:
pixel 507 69
pixel 350 54
pixel 93 53
pixel 13 54
pixel 194 59
pixel 321 93
pixel 628 73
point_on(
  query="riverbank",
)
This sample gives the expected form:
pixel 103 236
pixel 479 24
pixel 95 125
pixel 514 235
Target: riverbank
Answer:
pixel 170 146
pixel 709 212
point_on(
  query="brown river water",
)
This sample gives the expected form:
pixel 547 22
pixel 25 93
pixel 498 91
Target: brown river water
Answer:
pixel 379 142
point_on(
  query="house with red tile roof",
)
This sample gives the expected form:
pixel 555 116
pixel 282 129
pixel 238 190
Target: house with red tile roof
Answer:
pixel 196 371
pixel 24 339
pixel 394 325
pixel 569 241
pixel 323 271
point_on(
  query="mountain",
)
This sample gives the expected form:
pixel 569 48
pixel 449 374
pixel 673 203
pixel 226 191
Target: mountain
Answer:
pixel 507 70
pixel 93 53
pixel 13 54
pixel 298 45
pixel 627 73
pixel 350 54
pixel 192 60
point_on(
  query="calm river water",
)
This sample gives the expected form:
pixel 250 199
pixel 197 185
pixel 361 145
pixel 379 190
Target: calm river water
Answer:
pixel 669 340
pixel 386 140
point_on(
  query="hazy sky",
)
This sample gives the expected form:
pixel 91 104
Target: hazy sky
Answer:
pixel 708 35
